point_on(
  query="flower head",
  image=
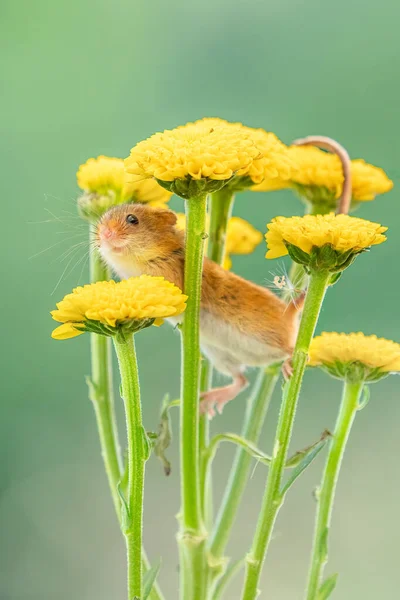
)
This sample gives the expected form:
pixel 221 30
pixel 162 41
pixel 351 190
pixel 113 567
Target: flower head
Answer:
pixel 355 355
pixel 104 182
pixel 322 241
pixel 319 177
pixel 368 181
pixel 241 236
pixel 202 157
pixel 106 307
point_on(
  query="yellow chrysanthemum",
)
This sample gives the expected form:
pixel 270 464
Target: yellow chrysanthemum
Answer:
pixel 210 152
pixel 328 349
pixel 342 232
pixel 241 237
pixel 105 174
pixel 368 181
pixel 319 169
pixel 274 161
pixel 107 304
pixel 102 174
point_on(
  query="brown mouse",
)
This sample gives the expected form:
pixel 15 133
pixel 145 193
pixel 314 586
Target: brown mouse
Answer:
pixel 241 324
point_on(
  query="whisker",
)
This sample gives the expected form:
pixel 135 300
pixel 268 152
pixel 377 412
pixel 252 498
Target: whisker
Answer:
pixel 67 252
pixel 84 265
pixel 76 264
pixel 62 276
pixel 53 246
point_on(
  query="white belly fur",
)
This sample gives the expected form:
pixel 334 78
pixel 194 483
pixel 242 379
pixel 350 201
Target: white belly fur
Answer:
pixel 245 349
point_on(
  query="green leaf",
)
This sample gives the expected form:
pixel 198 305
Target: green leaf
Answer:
pixel 148 580
pixel 93 390
pixel 164 434
pixel 234 438
pixel 298 456
pixel 365 398
pixel 323 546
pixel 335 277
pixel 305 462
pixel 125 513
pixel 147 444
pixel 327 587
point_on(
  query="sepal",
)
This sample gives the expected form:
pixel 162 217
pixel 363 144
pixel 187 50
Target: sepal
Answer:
pixel 189 188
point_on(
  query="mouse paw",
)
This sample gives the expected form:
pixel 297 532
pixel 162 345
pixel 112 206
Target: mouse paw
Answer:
pixel 287 369
pixel 218 397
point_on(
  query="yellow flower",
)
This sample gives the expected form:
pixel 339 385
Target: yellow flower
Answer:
pixel 355 353
pixel 102 174
pixel 341 232
pixel 104 181
pixel 319 169
pixel 368 181
pixel 203 156
pixel 106 306
pixel 241 237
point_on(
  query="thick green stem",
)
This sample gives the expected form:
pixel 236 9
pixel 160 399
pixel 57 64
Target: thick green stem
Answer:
pixel 257 407
pixel 273 499
pixel 192 535
pixel 132 518
pixel 220 212
pixel 326 494
pixel 101 392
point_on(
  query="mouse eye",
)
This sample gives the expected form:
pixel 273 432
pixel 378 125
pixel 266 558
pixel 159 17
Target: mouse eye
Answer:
pixel 132 219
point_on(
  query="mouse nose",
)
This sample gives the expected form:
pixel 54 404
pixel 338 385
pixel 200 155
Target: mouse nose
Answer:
pixel 107 233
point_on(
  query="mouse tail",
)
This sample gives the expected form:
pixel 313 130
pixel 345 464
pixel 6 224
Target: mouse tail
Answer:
pixel 295 306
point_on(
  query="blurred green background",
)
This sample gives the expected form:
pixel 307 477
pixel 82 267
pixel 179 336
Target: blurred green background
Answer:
pixel 94 77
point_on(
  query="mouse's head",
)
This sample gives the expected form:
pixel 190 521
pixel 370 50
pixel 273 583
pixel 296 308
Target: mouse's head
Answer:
pixel 137 230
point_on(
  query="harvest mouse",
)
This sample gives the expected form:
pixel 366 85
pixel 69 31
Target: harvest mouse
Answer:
pixel 241 324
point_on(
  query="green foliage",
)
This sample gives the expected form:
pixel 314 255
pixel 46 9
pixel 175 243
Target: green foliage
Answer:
pixel 327 587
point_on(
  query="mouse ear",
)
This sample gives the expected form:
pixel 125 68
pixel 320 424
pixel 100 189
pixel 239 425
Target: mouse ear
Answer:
pixel 169 217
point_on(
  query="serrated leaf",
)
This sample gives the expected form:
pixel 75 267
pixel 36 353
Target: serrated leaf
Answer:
pixel 305 462
pixel 327 587
pixel 148 580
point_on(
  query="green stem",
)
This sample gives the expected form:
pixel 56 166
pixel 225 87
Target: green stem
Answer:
pixel 272 499
pixel 204 440
pixel 226 578
pixel 326 494
pixel 257 407
pixel 220 212
pixel 192 536
pixel 132 520
pixel 101 392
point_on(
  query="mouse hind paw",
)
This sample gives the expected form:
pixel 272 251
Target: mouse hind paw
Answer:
pixel 216 398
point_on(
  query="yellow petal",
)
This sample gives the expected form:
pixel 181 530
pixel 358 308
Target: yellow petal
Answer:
pixel 65 332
